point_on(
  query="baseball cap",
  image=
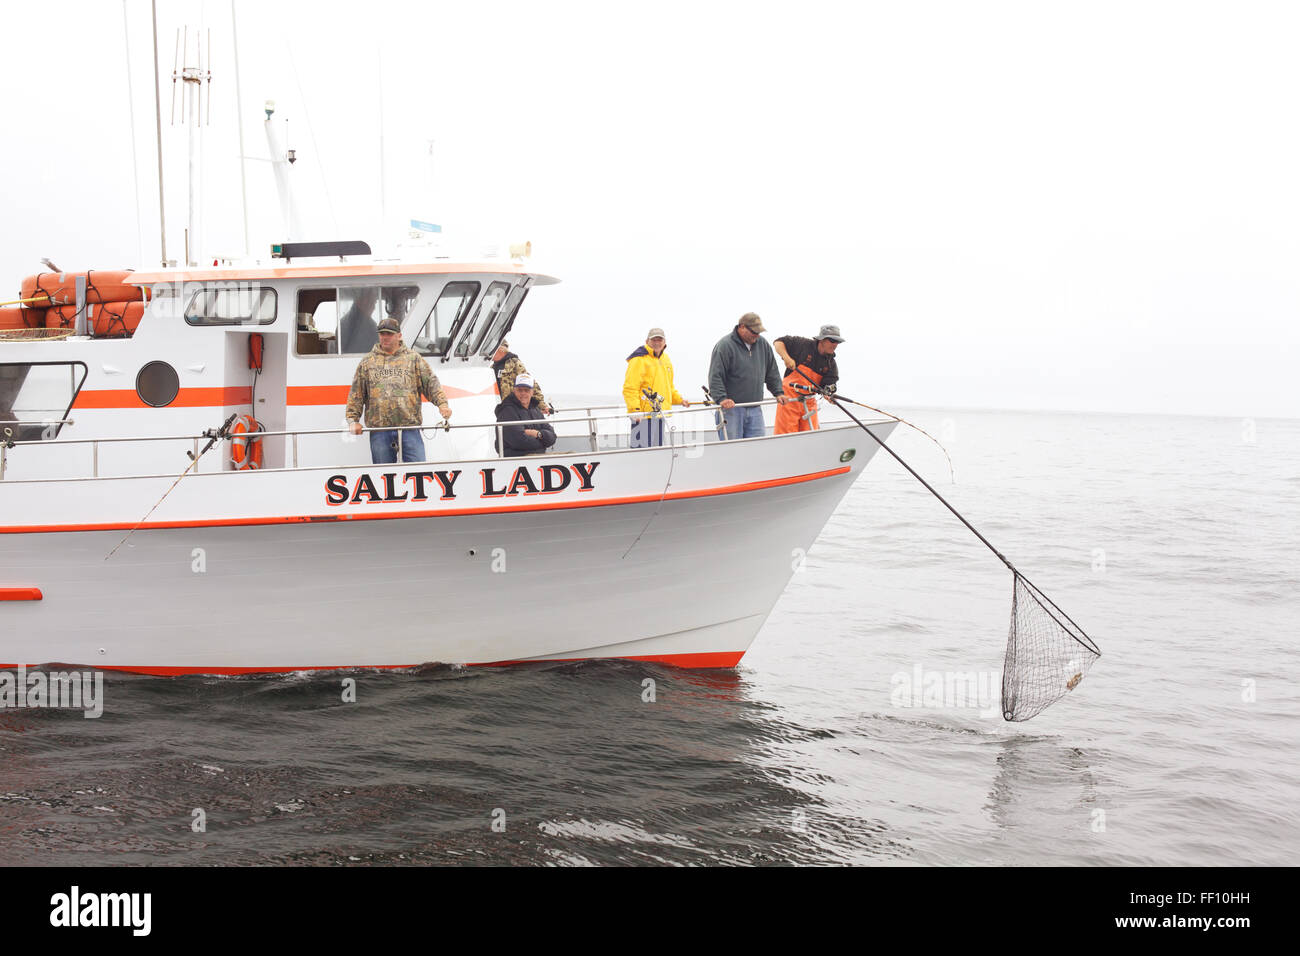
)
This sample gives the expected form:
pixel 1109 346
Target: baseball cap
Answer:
pixel 831 332
pixel 525 380
pixel 390 324
pixel 655 333
pixel 751 321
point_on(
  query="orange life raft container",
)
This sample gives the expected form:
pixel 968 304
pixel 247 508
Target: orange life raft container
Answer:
pixel 60 288
pixel 108 319
pixel 16 317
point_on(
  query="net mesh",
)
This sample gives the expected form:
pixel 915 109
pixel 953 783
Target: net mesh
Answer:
pixel 1047 654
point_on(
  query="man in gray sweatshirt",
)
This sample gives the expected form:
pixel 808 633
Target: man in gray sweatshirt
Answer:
pixel 742 363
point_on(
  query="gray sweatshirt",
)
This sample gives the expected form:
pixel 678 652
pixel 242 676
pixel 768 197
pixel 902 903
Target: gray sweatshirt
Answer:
pixel 738 372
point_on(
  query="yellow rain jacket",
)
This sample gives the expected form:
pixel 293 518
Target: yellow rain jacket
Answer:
pixel 656 374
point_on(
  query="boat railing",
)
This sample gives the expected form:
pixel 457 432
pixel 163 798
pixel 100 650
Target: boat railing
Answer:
pixel 673 436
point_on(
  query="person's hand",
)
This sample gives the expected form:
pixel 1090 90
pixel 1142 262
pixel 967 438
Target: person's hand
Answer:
pixel 789 364
pixel 354 427
pixel 686 403
pixel 446 411
pixel 782 399
pixel 532 433
pixel 726 403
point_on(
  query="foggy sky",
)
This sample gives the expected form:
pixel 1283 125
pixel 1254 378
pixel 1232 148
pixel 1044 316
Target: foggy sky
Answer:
pixel 1016 205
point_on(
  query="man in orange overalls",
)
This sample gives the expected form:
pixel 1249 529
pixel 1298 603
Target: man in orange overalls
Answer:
pixel 815 358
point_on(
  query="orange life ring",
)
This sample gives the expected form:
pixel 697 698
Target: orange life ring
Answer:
pixel 245 449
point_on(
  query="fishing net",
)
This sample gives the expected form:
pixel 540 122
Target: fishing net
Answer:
pixel 35 333
pixel 1047 653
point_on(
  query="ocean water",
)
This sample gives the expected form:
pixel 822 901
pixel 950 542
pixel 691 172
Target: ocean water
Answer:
pixel 862 727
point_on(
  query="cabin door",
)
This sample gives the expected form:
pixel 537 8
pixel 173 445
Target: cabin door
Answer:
pixel 262 391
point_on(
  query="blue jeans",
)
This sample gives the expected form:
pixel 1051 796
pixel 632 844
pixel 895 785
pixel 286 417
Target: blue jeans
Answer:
pixel 742 422
pixel 383 446
pixel 647 433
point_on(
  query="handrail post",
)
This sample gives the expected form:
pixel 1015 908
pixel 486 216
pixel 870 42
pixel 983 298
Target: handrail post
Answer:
pixel 94 460
pixel 591 430
pixel 295 449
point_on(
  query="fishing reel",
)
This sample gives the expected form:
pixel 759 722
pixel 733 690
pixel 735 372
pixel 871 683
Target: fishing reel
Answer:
pixel 9 438
pixel 214 435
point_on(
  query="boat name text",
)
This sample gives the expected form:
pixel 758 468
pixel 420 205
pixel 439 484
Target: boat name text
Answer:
pixel 387 488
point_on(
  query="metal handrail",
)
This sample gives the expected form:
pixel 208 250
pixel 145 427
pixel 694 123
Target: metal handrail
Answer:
pixel 498 427
pixel 437 425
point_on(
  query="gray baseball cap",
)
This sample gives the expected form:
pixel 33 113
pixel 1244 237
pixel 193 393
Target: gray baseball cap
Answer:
pixel 751 321
pixel 656 333
pixel 831 332
pixel 390 324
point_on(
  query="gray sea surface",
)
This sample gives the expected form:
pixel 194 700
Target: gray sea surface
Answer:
pixel 861 728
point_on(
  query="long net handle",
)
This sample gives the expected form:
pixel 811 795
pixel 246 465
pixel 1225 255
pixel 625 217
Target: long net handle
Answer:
pixel 944 501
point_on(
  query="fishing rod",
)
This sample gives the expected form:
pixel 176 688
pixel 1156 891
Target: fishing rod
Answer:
pixel 1042 663
pixel 844 398
pixel 213 436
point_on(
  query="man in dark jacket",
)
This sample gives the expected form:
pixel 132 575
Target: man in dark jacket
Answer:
pixel 521 406
pixel 506 366
pixel 741 365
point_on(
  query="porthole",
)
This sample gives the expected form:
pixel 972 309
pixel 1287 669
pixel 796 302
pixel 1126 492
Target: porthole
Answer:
pixel 157 384
pixel 847 454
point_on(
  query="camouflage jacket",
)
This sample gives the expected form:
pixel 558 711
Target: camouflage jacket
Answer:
pixel 389 387
pixel 507 370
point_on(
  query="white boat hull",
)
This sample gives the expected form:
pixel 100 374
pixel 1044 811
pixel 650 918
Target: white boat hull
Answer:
pixel 249 572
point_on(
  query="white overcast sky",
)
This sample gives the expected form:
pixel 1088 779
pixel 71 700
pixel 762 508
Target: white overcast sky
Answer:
pixel 1086 206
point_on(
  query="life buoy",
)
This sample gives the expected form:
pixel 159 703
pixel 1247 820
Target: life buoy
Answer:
pixel 245 449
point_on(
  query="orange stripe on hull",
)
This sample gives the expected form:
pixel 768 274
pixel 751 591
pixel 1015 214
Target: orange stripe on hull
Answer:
pixel 449 513
pixel 693 661
pixel 187 398
pixel 20 594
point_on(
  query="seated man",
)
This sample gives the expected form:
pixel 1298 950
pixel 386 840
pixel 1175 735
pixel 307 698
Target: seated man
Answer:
pixel 521 406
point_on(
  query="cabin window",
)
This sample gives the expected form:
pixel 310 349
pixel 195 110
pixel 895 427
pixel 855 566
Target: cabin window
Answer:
pixel 35 397
pixel 447 313
pixel 344 320
pixel 505 319
pixel 231 303
pixel 492 303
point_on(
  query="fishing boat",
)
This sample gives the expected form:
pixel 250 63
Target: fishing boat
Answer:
pixel 179 492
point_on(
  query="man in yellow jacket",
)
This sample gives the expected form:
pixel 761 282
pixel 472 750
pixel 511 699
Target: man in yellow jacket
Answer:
pixel 649 369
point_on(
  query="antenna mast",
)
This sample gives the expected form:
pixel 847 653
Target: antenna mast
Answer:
pixel 193 79
pixel 157 111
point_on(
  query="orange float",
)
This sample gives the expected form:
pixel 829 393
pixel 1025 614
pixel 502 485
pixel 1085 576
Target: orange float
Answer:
pixel 107 319
pixel 245 449
pixel 102 285
pixel 16 317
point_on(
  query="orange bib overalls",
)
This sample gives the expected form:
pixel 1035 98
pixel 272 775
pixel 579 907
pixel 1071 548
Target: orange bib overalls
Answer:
pixel 790 416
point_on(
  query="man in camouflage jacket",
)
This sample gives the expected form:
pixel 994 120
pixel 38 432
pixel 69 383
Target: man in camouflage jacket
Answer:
pixel 388 385
pixel 507 367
